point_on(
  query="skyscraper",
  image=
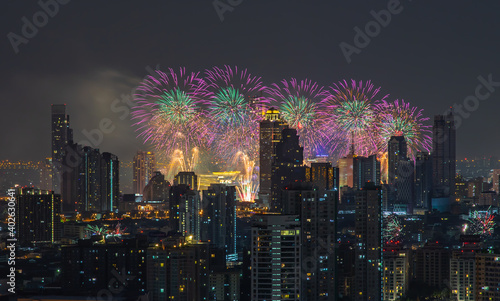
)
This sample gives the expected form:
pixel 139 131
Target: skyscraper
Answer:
pixel 397 151
pixel 323 175
pixel 396 272
pixel 276 260
pixel 89 181
pixel 187 178
pixel 143 167
pixel 368 229
pixel 270 134
pixel 157 191
pixel 287 166
pixel 184 211
pixel 423 180
pixel 443 156
pixel 110 182
pixel 61 134
pixel 219 217
pixel 405 184
pixel 38 215
pixel 365 170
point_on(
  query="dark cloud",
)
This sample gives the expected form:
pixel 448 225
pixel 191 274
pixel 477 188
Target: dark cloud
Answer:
pixel 92 52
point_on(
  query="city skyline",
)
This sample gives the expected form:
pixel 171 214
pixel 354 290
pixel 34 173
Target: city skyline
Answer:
pixel 90 89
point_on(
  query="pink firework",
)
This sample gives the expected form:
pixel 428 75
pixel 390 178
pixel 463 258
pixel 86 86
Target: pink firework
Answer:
pixel 350 114
pixel 234 111
pixel 168 111
pixel 298 103
pixel 398 118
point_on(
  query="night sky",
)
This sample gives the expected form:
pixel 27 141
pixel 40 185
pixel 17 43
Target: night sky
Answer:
pixel 93 52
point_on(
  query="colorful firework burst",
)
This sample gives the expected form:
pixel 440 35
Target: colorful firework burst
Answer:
pixel 168 111
pixel 234 107
pixel 247 186
pixel 481 223
pixel 95 230
pixel 399 119
pixel 392 230
pixel 298 103
pixel 351 111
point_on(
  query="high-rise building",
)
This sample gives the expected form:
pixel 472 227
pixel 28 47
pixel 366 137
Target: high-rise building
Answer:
pixel 184 211
pixel 323 176
pixel 487 275
pixel 46 174
pixel 157 190
pixel 443 156
pixel 396 272
pixel 365 170
pixel 61 135
pixel 495 179
pixel 463 269
pixel 187 178
pixel 270 134
pixel 276 260
pixel 368 229
pixel 178 269
pixel 219 217
pixel 346 165
pixel 110 182
pixel 38 216
pixel 405 184
pixel 433 265
pixel 143 167
pixel 89 181
pixel 318 219
pixel 396 151
pixel 287 166
pixel 89 267
pixel 423 180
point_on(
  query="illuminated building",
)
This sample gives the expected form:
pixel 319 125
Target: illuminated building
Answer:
pixel 22 173
pixel 443 156
pixel 286 167
pixel 276 260
pixel 270 134
pixel 397 151
pixel 463 269
pixel 187 178
pixel 157 190
pixel 368 251
pixel 110 182
pixel 143 167
pixel 38 216
pixel 346 164
pixel 184 211
pixel 405 184
pixel 487 275
pixel 61 135
pixel 178 269
pixel 395 273
pixel 433 265
pixel 219 217
pixel 365 169
pixel 423 180
pixel 89 267
pixel 323 175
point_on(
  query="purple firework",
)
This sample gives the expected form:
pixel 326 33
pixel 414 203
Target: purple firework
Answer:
pixel 168 111
pixel 234 108
pixel 298 103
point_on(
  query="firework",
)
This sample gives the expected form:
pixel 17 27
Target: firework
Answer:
pixel 233 109
pixel 351 111
pixel 399 119
pixel 168 111
pixel 298 103
pixel 179 162
pixel 481 223
pixel 247 185
pixel 95 230
pixel 392 228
